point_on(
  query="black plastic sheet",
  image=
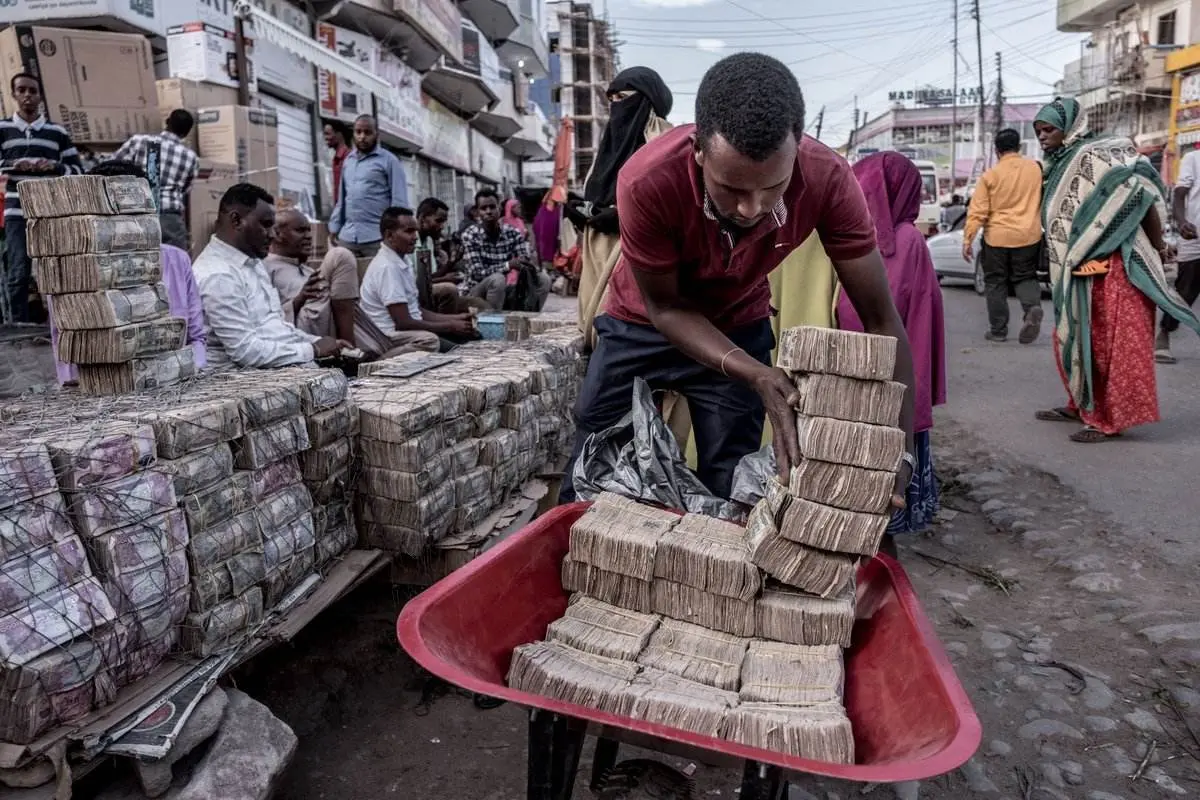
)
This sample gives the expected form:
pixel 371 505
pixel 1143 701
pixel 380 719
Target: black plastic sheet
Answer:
pixel 639 458
pixel 752 474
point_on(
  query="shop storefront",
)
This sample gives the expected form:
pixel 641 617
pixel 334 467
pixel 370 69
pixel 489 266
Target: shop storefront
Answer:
pixel 448 152
pixel 1184 131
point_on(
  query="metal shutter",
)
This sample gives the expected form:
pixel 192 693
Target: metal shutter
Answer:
pixel 443 189
pixel 297 159
pixel 424 179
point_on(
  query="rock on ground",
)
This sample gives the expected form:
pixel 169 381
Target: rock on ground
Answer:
pixel 156 776
pixel 246 758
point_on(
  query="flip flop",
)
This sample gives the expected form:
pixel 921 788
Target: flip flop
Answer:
pixel 1091 436
pixel 1164 357
pixel 1061 414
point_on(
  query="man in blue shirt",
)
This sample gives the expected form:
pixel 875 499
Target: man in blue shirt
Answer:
pixel 372 181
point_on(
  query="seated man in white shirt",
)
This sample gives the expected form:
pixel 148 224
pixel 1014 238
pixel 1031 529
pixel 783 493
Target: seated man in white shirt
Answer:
pixel 390 319
pixel 245 322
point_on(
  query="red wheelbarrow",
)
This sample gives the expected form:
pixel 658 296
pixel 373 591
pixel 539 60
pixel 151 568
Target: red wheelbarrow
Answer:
pixel 911 717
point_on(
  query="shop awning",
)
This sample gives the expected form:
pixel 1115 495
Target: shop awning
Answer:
pixel 272 30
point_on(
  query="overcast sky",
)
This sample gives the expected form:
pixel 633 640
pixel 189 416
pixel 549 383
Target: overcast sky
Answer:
pixel 865 48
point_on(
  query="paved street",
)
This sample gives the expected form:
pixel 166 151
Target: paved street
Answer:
pixel 1146 481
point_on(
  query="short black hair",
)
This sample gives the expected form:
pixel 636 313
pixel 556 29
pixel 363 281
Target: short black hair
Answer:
pixel 12 84
pixel 753 101
pixel 113 168
pixel 368 117
pixel 487 191
pixel 430 206
pixel 390 220
pixel 245 196
pixel 1008 141
pixel 180 122
pixel 955 199
pixel 340 128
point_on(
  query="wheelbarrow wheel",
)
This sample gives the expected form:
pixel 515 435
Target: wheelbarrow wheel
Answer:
pixel 644 779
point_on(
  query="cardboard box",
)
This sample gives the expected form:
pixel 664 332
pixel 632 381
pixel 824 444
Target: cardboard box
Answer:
pixel 198 51
pixel 245 136
pixel 99 86
pixel 191 95
pixel 213 180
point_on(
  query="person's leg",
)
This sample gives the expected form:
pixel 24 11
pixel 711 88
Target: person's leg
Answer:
pixel 17 260
pixel 623 352
pixel 543 288
pixel 491 289
pixel 1187 283
pixel 340 270
pixel 727 415
pixel 1023 265
pixel 445 298
pixel 368 250
pixel 995 279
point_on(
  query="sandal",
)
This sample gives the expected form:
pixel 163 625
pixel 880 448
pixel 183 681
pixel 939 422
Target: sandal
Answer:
pixel 1061 414
pixel 1090 435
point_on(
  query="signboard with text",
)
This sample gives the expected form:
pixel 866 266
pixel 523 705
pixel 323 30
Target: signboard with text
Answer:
pixel 934 96
pixel 341 98
pixel 401 113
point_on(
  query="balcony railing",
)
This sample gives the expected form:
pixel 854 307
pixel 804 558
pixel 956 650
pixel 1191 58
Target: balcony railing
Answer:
pixel 1086 15
pixel 1144 68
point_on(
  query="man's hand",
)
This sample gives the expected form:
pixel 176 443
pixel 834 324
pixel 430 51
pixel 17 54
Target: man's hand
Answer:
pixel 460 324
pixel 311 290
pixel 968 252
pixel 900 491
pixel 780 397
pixel 1187 230
pixel 327 346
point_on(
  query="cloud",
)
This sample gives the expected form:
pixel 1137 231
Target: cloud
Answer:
pixel 710 45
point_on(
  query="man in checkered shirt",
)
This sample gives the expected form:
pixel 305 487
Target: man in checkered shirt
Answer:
pixel 492 249
pixel 177 167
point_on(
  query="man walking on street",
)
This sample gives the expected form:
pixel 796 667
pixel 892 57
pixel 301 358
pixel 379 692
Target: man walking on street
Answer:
pixel 1007 206
pixel 1185 207
pixel 372 181
pixel 171 167
pixel 32 148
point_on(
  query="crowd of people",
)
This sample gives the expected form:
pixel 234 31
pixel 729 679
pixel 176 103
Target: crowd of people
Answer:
pixel 253 297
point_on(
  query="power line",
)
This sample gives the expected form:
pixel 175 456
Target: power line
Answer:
pixel 912 8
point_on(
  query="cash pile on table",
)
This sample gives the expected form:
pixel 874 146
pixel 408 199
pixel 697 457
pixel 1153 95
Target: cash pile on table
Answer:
pixel 669 622
pixel 811 533
pixel 139 525
pixel 445 447
pixel 96 248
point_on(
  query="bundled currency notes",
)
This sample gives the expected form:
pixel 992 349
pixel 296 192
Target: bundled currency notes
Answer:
pixel 95 272
pixel 111 308
pixel 124 343
pixel 74 195
pixel 64 236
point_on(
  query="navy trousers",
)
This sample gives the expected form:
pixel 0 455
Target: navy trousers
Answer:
pixel 727 415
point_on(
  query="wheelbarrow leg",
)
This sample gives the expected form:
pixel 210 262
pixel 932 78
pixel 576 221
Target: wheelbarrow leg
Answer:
pixel 761 782
pixel 568 747
pixel 604 760
pixel 540 775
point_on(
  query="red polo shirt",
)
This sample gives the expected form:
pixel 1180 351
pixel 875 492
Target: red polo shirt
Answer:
pixel 666 225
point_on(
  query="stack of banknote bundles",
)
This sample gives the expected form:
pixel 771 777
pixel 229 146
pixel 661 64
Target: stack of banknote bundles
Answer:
pixel 784 614
pixel 57 625
pixel 556 670
pixel 695 653
pixel 601 629
pixel 835 507
pixel 96 249
pixel 445 447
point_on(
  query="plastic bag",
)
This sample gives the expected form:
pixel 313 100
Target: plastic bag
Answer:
pixel 752 474
pixel 639 458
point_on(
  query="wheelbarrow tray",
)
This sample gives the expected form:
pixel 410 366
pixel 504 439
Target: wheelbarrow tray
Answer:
pixel 911 718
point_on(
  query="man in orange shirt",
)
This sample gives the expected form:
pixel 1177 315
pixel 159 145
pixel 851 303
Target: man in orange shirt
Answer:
pixel 1007 206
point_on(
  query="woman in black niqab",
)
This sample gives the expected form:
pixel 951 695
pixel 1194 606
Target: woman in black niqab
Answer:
pixel 635 94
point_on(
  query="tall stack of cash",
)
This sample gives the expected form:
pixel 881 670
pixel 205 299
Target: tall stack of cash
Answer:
pixel 835 508
pixel 96 248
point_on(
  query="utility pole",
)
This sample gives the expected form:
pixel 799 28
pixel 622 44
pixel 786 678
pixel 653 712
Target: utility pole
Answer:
pixel 979 109
pixel 243 64
pixel 854 130
pixel 954 111
pixel 820 121
pixel 999 111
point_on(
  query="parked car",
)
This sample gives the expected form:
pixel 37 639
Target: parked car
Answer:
pixel 946 251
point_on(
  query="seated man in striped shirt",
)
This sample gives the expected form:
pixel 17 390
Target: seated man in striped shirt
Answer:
pixel 31 147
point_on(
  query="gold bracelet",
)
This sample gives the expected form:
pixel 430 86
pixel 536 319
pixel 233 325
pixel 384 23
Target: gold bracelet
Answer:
pixel 727 355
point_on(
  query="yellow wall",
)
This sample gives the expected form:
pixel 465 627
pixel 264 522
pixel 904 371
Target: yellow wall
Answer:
pixel 1180 63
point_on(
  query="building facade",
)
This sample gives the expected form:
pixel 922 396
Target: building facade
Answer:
pixel 581 45
pixel 1121 77
pixel 945 135
pixel 448 81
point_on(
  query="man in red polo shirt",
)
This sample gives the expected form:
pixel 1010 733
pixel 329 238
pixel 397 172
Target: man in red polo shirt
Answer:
pixel 706 212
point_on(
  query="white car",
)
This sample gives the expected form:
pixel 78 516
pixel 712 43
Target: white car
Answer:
pixel 946 251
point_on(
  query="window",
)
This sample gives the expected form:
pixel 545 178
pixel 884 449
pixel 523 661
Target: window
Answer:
pixel 1166 28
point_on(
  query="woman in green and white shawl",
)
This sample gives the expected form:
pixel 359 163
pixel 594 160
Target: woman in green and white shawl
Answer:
pixel 1103 207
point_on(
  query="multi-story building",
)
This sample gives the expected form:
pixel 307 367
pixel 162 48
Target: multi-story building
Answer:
pixel 586 64
pixel 448 81
pixel 1120 77
pixel 925 134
